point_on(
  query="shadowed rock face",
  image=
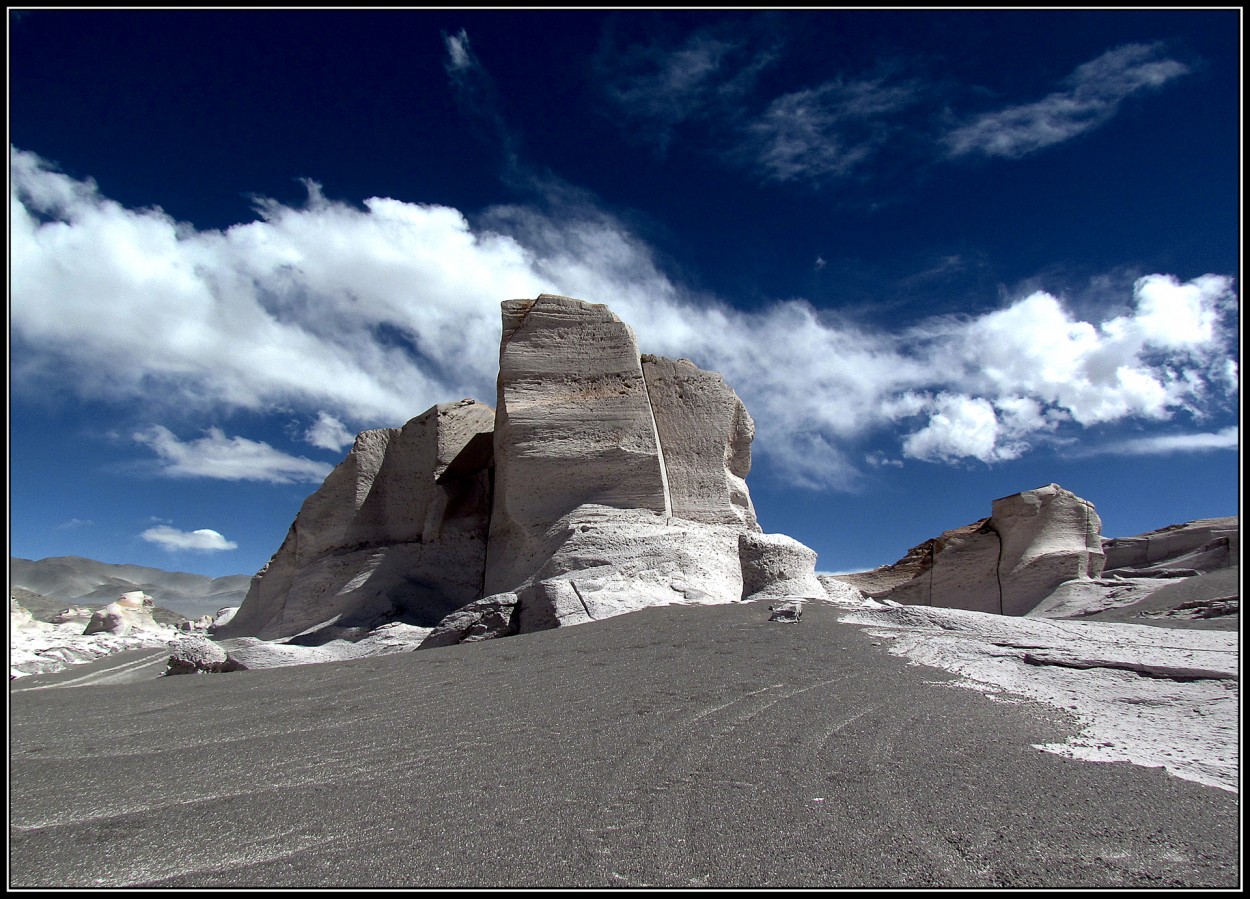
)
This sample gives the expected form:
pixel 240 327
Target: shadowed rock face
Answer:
pixel 1008 563
pixel 390 534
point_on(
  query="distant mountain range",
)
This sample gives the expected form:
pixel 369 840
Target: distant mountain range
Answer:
pixel 75 581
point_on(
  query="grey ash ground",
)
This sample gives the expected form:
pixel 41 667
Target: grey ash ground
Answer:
pixel 684 746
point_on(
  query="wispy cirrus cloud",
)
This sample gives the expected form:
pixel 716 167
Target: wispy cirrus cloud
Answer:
pixel 228 458
pixel 477 94
pixel 836 127
pixel 711 80
pixel 173 540
pixel 705 78
pixel 1166 444
pixel 1087 98
pixel 824 132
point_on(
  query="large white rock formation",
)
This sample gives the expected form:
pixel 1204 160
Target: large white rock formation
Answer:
pixel 1008 563
pixel 604 481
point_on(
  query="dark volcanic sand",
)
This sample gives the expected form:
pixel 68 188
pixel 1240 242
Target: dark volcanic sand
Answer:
pixel 673 747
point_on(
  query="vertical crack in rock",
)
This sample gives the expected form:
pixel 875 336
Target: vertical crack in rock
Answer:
pixel 659 447
pixel 998 568
pixel 582 600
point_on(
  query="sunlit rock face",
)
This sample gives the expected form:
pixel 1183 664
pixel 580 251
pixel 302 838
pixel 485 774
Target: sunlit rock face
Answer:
pixel 573 427
pixel 397 531
pixel 620 479
pixel 1008 563
pixel 705 436
pixel 1204 545
pixel 775 566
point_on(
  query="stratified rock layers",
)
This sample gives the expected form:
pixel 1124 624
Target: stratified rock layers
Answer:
pixel 584 422
pixel 397 531
pixel 573 426
pixel 1008 563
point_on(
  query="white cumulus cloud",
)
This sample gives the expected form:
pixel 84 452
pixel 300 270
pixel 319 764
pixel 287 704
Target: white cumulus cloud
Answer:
pixel 373 314
pixel 173 540
pixel 328 433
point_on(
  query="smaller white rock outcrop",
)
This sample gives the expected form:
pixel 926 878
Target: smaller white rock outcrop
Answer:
pixel 1207 544
pixel 130 612
pixel 1008 563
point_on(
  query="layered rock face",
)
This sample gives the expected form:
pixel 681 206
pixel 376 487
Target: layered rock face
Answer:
pixel 574 426
pixel 1008 563
pixel 705 436
pixel 1205 545
pixel 612 464
pixel 397 531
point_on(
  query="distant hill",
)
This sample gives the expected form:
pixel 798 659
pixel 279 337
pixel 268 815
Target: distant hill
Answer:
pixel 75 581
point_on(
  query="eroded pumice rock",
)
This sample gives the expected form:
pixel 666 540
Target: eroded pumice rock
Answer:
pixel 790 611
pixel 573 426
pixel 1033 542
pixel 198 655
pixel 775 566
pixel 603 482
pixel 130 612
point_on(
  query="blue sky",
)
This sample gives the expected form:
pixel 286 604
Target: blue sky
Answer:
pixel 943 256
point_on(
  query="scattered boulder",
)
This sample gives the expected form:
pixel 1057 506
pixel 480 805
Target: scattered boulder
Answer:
pixel 199 655
pixel 790 611
pixel 196 625
pixel 774 565
pixel 483 619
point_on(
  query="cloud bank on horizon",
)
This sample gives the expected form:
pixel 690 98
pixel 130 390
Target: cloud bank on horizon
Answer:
pixel 339 315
